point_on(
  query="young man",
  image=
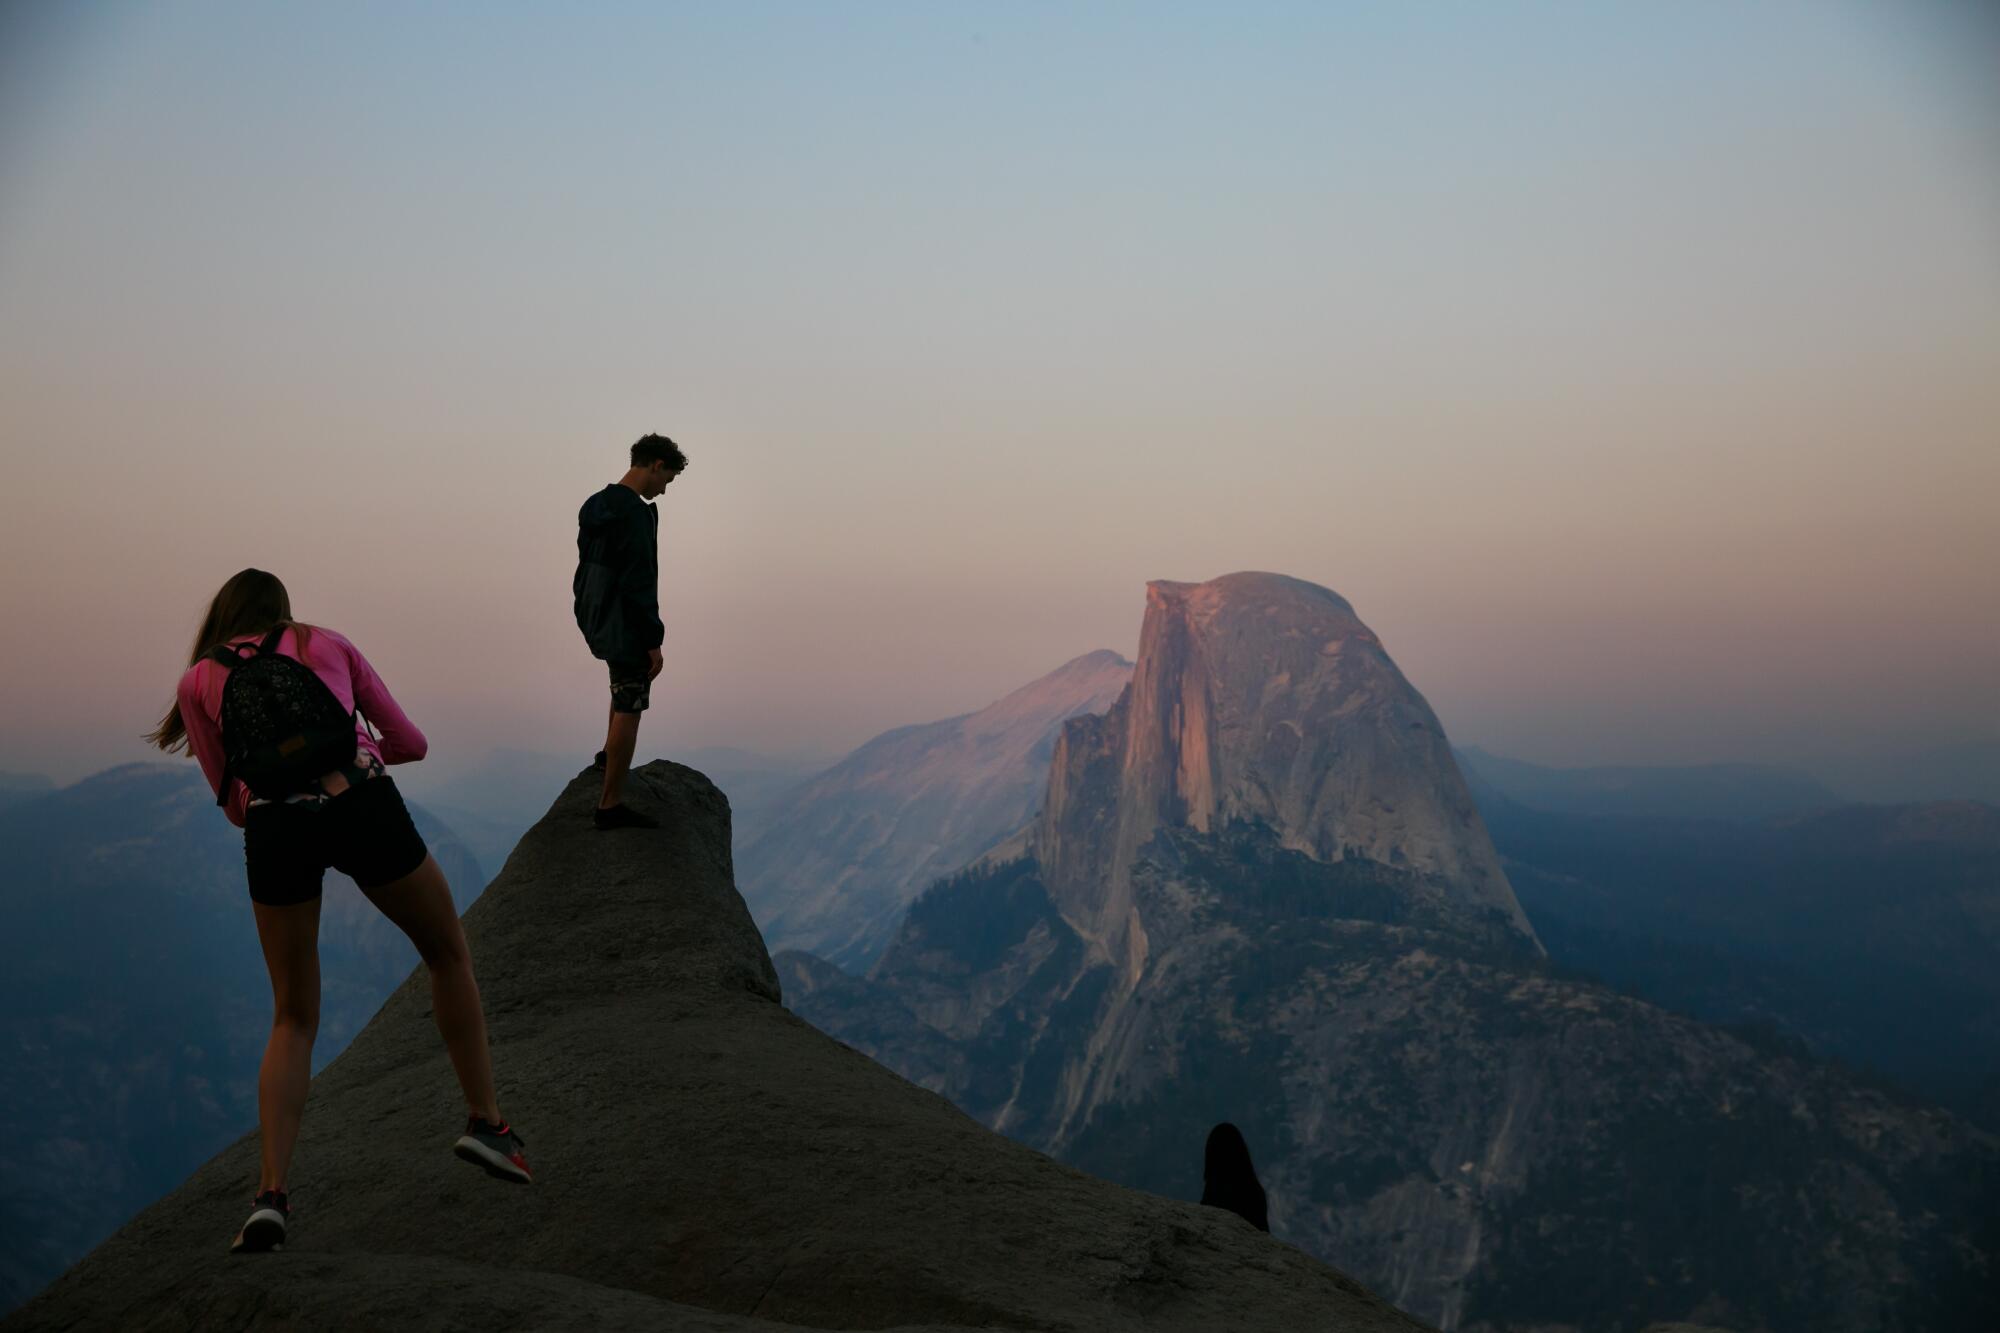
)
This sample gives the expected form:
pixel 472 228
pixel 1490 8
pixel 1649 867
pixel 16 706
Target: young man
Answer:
pixel 617 589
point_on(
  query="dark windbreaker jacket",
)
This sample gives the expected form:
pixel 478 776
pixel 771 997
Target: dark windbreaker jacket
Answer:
pixel 617 583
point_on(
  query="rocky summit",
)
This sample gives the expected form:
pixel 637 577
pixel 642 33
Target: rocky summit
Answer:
pixel 704 1159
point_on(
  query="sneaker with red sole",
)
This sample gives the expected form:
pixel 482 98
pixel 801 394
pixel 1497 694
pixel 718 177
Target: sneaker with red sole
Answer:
pixel 265 1231
pixel 497 1148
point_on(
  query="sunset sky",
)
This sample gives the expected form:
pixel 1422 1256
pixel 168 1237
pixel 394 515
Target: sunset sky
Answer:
pixel 1634 369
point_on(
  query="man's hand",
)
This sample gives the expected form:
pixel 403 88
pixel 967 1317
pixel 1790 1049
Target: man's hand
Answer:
pixel 654 663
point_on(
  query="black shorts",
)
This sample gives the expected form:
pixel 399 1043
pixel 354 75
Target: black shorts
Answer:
pixel 631 685
pixel 365 833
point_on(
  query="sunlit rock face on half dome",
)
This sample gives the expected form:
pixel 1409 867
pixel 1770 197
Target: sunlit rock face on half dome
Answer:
pixel 1262 699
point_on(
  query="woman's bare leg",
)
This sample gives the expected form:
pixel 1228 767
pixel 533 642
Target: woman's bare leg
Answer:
pixel 290 936
pixel 420 903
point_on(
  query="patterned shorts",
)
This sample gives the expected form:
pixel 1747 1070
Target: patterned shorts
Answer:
pixel 631 685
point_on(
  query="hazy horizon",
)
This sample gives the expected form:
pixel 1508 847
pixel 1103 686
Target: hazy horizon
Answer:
pixel 1634 373
pixel 448 769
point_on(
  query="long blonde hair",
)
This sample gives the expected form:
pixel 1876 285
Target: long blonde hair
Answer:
pixel 252 602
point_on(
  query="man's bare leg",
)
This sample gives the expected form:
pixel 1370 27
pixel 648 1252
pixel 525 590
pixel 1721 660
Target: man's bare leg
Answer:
pixel 621 738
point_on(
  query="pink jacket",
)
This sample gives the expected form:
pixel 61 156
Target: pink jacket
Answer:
pixel 345 671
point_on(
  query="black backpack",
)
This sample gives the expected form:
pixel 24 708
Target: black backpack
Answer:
pixel 281 726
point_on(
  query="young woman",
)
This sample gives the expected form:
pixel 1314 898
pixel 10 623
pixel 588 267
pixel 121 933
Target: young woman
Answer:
pixel 352 819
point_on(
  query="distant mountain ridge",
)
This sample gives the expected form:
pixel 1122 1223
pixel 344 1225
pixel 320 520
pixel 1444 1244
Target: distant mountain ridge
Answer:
pixel 1966 770
pixel 1773 923
pixel 1692 791
pixel 830 865
pixel 15 787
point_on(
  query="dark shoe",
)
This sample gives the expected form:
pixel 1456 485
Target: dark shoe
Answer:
pixel 496 1148
pixel 621 816
pixel 265 1230
pixel 598 763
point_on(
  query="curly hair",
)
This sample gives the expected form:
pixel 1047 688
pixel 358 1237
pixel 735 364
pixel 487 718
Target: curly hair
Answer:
pixel 658 449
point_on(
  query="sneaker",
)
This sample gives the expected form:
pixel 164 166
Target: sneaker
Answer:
pixel 495 1147
pixel 621 816
pixel 266 1228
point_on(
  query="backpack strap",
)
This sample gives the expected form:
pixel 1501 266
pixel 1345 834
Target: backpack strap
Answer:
pixel 231 654
pixel 225 656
